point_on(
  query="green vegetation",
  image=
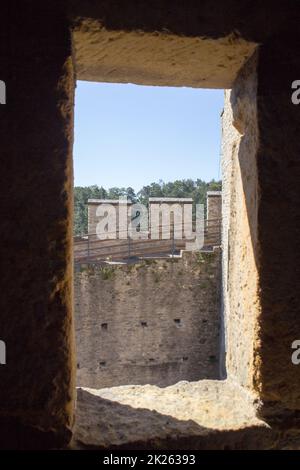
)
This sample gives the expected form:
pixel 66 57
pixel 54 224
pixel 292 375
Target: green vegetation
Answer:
pixel 203 257
pixel 107 272
pixel 180 188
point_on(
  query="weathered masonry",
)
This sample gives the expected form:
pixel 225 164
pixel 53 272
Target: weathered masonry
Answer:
pixel 151 319
pixel 153 322
pixel 94 216
pixel 251 48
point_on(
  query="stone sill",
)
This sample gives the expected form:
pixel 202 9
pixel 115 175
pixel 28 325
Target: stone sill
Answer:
pixel 209 414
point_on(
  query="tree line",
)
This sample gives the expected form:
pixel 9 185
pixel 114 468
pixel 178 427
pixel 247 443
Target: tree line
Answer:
pixel 195 189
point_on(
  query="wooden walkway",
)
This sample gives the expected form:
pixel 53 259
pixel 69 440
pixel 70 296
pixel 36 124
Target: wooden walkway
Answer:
pixel 90 249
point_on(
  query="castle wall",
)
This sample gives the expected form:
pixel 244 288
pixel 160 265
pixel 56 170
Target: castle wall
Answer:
pixel 154 322
pixel 213 218
pixel 113 216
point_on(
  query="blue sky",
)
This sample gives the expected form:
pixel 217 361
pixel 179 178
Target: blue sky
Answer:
pixel 129 135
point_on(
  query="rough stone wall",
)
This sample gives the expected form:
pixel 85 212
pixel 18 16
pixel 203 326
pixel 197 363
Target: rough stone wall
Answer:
pixel 277 379
pixel 156 322
pixel 239 189
pixel 174 43
pixel 94 219
pixel 36 132
pixel 230 141
pixel 261 228
pixel 214 215
pixel 207 414
pixel 167 217
pixel 214 205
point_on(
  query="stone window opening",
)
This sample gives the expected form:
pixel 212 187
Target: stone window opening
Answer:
pixel 192 44
pixel 132 364
pixel 216 388
pixel 127 320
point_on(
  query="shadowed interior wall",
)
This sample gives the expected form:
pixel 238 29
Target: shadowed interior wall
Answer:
pixel 277 378
pixel 37 387
pixel 261 227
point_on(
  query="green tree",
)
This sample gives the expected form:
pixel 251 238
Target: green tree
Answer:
pixel 81 196
pixel 195 189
